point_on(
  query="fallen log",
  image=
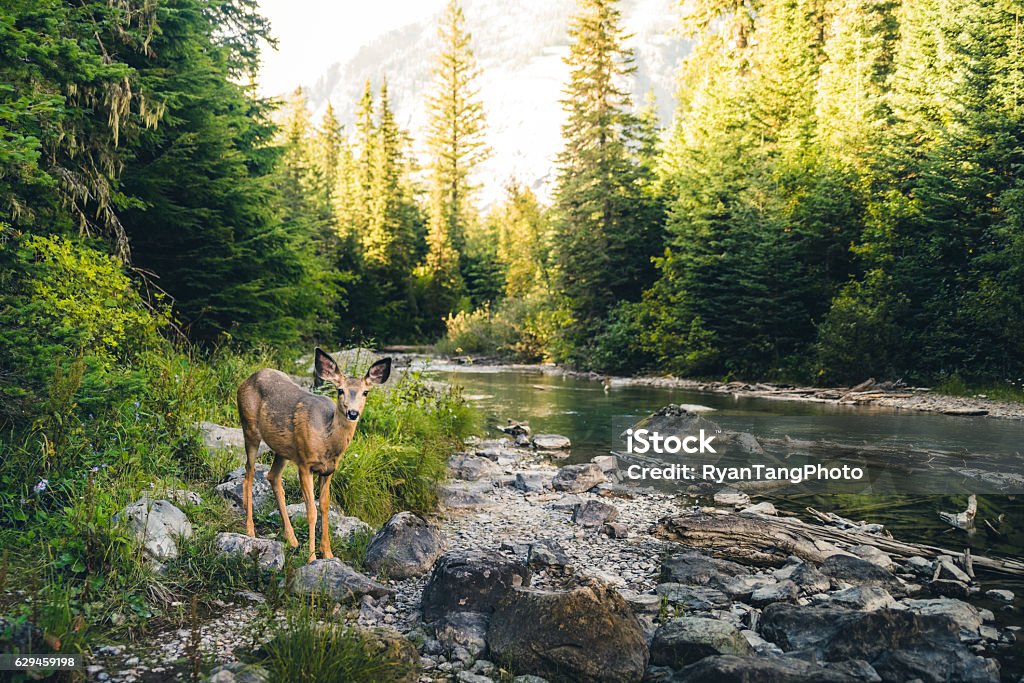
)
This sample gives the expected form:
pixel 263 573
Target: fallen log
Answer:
pixel 768 541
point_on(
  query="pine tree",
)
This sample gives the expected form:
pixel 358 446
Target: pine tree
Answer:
pixel 608 227
pixel 455 143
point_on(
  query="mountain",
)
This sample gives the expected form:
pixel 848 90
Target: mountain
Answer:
pixel 520 46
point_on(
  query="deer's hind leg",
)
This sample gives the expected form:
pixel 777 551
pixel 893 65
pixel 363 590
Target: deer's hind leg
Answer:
pixel 274 477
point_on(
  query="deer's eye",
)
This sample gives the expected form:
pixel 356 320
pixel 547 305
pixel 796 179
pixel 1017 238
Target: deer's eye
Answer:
pixel 366 393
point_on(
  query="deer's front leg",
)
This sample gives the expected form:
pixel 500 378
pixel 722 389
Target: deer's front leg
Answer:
pixel 306 483
pixel 325 518
pixel 274 477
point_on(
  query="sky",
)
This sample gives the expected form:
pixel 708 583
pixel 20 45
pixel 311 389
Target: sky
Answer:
pixel 313 34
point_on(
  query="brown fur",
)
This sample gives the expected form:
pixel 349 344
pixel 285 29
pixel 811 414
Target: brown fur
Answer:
pixel 308 429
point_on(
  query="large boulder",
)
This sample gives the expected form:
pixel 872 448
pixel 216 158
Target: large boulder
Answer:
pixel 587 635
pixel 472 467
pixel 269 554
pixel 693 568
pixel 900 644
pixel 407 545
pixel 593 513
pixel 685 640
pixel 156 525
pixel 467 630
pixel 218 437
pixel 471 581
pixel 231 489
pixel 861 572
pixel 336 580
pixel 734 669
pixel 578 478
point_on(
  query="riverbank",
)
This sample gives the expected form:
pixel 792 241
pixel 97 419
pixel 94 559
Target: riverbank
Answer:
pixel 571 561
pixel 868 393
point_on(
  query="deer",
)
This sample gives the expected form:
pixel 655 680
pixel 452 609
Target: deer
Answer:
pixel 311 430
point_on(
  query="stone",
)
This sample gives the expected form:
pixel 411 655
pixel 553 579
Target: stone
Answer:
pixel 469 677
pixel 967 617
pixel 533 482
pixel 900 644
pixel 615 530
pixel 269 553
pixel 336 580
pixel 641 603
pixel 735 669
pixel 237 672
pixel 741 587
pixel 388 644
pixel 594 513
pixel 920 566
pixel 762 508
pixel 1000 595
pixel 873 555
pixel 586 635
pixel 692 597
pixel 342 526
pixel 607 463
pixel 685 640
pixel 551 442
pixel 471 581
pixel 855 570
pixel 783 591
pixel 951 572
pixel 547 554
pixel 464 629
pixel 863 598
pixel 218 437
pixel 694 568
pixel 730 497
pixel 460 495
pixel 950 588
pixel 156 525
pixel 472 467
pixel 809 579
pixel 231 488
pixel 407 545
pixel 577 478
pixel 529 678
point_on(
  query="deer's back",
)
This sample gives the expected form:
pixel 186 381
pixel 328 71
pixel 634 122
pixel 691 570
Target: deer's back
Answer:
pixel 285 415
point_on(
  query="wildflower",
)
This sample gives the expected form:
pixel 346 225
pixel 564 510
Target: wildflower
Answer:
pixel 136 404
pixel 41 486
pixel 94 468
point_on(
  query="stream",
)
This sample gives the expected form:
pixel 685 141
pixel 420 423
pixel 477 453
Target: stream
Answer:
pixel 592 418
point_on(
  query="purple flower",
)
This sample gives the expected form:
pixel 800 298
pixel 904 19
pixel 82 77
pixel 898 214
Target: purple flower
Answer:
pixel 41 486
pixel 95 468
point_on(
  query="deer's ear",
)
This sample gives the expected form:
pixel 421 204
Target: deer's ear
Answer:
pixel 379 371
pixel 324 368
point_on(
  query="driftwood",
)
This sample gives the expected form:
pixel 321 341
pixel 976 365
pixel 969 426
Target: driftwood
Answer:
pixel 768 541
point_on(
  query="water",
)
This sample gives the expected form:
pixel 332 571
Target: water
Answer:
pixel 591 418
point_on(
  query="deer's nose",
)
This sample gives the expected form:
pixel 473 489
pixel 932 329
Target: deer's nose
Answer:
pixel 352 414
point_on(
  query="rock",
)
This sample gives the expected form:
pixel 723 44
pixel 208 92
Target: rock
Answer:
pixel 577 478
pixel 336 580
pixel 744 442
pixel 594 513
pixel 783 591
pixel 470 581
pixel 184 497
pixel 920 566
pixel 607 463
pixel 696 569
pixel 734 669
pixel 809 579
pixel 342 526
pixel 389 645
pixel 863 598
pixel 407 545
pixel 641 603
pixel 469 677
pixel 855 570
pixel 547 554
pixel 156 525
pixel 219 437
pixel 900 644
pixel 741 587
pixel 587 635
pixel 599 577
pixel 951 572
pixel 730 497
pixel 762 508
pixel 533 482
pixel 551 442
pixel 515 429
pixel 466 495
pixel 615 530
pixel 1000 595
pixel 529 678
pixel 237 672
pixel 464 629
pixel 692 597
pixel 967 618
pixel 685 640
pixel 472 467
pixel 567 502
pixel 269 553
pixel 950 588
pixel 873 555
pixel 231 489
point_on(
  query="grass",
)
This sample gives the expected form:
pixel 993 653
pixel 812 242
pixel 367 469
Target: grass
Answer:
pixel 105 436
pixel 1010 390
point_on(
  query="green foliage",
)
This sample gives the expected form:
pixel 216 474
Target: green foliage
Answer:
pixel 310 646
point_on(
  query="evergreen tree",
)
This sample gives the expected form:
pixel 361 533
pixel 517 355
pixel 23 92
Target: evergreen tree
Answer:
pixel 608 223
pixel 455 143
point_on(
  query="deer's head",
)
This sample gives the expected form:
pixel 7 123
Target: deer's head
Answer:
pixel 352 392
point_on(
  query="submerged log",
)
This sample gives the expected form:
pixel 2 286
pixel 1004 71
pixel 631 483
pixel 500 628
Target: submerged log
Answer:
pixel 768 541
